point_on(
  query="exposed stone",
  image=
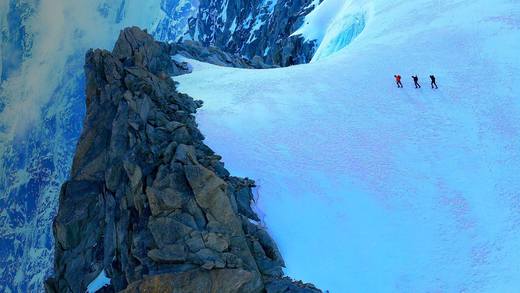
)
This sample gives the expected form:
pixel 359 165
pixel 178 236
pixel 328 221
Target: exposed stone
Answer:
pixel 134 173
pixel 285 284
pixel 173 125
pixel 232 261
pixel 165 200
pixel 175 253
pixel 147 201
pixel 185 154
pixel 222 280
pixel 209 258
pixel 241 188
pixel 217 242
pixel 166 230
pixel 195 242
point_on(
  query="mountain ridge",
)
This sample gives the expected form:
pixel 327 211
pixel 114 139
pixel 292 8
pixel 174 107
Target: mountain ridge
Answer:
pixel 148 203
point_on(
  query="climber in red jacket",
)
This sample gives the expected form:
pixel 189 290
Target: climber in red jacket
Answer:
pixel 398 80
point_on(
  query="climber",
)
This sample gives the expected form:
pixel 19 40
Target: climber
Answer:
pixel 398 80
pixel 432 77
pixel 416 81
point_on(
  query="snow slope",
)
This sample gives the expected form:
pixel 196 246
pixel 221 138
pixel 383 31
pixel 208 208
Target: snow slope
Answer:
pixel 370 188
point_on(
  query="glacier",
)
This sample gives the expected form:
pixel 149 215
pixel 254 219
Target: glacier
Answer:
pixel 334 25
pixel 384 189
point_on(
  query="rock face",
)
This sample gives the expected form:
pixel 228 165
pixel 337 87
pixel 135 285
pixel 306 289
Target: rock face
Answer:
pixel 147 201
pixel 257 29
pixel 214 55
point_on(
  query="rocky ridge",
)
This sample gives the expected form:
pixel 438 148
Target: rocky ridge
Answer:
pixel 256 29
pixel 214 55
pixel 147 202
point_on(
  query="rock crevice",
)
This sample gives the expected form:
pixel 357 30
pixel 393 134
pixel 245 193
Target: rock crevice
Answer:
pixel 147 201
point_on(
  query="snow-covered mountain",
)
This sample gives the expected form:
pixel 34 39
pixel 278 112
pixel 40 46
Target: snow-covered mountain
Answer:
pixel 174 19
pixel 412 190
pixel 252 28
pixel 42 105
pixel 385 189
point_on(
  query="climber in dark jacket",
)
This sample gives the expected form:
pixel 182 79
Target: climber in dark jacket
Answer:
pixel 432 77
pixel 416 81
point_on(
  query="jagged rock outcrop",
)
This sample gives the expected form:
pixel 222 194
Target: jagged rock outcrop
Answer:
pixel 147 201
